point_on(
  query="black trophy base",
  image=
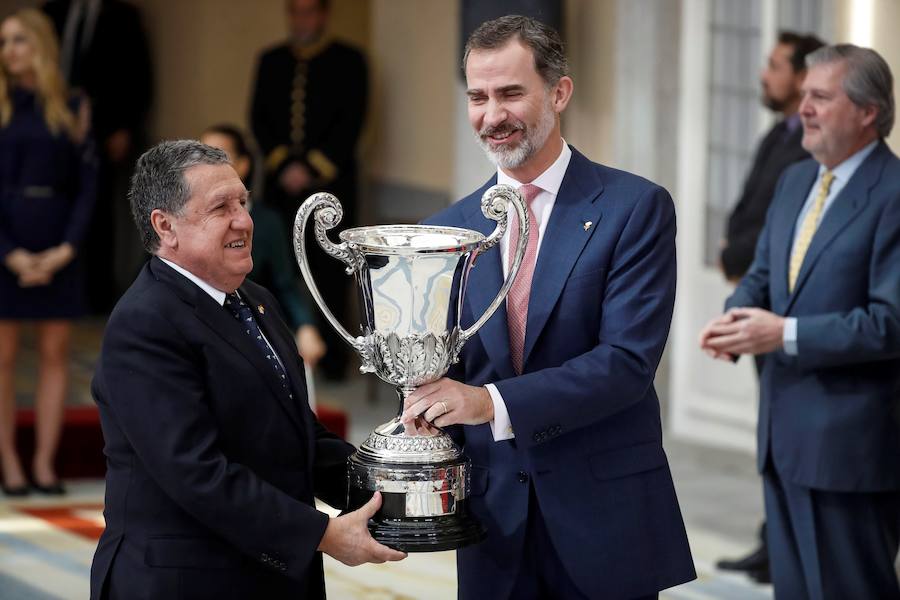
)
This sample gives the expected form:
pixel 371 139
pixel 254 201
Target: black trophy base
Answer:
pixel 392 526
pixel 432 534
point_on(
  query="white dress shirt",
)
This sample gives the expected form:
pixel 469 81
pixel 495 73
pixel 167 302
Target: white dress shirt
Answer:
pixel 549 181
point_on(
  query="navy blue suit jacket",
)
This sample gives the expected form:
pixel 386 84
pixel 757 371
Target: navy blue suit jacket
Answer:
pixel 584 411
pixel 211 469
pixel 830 416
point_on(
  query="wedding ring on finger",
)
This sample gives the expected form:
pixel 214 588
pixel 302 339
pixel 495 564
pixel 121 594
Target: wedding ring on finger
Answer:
pixel 444 407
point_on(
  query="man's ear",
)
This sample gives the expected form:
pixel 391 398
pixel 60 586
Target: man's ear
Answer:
pixel 163 225
pixel 870 113
pixel 562 93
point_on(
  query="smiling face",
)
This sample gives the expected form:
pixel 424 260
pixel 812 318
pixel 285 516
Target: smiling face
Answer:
pixel 16 49
pixel 834 127
pixel 213 235
pixel 512 111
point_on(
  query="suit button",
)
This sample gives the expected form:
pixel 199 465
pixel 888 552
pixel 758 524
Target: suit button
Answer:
pixel 523 477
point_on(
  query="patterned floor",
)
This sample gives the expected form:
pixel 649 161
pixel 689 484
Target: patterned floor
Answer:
pixel 46 548
pixel 46 545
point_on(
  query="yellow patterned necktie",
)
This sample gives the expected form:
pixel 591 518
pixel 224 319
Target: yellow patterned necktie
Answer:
pixel 808 229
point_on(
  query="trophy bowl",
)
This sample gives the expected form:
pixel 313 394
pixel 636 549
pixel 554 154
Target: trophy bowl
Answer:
pixel 411 280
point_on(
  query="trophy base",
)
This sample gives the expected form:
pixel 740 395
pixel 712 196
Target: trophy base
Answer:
pixel 427 535
pixel 423 504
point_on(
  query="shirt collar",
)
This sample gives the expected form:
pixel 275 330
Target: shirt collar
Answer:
pixel 217 295
pixel 550 180
pixel 845 170
pixel 792 122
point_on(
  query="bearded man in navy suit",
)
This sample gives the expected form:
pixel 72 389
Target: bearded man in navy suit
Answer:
pixel 213 455
pixel 821 303
pixel 555 394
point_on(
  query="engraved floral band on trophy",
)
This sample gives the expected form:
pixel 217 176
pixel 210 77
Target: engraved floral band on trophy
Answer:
pixel 412 281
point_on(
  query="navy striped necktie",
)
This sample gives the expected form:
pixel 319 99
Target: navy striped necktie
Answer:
pixel 240 311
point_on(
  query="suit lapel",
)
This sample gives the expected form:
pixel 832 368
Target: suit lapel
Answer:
pixel 769 148
pixel 564 239
pixel 845 208
pixel 218 319
pixel 786 152
pixel 485 280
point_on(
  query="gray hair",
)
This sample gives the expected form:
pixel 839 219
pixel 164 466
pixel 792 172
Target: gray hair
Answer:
pixel 159 183
pixel 543 41
pixel 868 81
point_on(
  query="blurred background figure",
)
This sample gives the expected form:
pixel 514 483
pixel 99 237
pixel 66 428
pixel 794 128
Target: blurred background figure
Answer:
pixel 308 108
pixel 273 266
pixel 781 93
pixel 104 52
pixel 47 185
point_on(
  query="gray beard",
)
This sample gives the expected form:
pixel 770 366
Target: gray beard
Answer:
pixel 533 140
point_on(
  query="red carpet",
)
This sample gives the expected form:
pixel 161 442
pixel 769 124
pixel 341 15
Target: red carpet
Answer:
pixel 66 517
pixel 81 446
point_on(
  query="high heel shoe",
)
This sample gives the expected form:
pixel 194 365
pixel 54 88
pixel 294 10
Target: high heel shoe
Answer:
pixel 51 489
pixel 18 491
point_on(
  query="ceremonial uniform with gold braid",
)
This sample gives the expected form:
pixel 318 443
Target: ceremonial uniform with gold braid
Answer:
pixel 308 107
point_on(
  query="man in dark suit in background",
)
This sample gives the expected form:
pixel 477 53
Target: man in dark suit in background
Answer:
pixel 556 391
pixel 822 303
pixel 781 81
pixel 309 104
pixel 104 52
pixel 213 455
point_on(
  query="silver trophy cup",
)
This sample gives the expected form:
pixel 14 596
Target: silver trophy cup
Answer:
pixel 411 280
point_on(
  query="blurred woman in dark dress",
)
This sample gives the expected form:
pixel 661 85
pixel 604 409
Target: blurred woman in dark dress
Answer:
pixel 47 180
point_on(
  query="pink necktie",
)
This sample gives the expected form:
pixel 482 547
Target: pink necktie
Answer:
pixel 517 300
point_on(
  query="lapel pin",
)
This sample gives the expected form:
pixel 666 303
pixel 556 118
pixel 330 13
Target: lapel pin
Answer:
pixel 587 225
pixel 261 309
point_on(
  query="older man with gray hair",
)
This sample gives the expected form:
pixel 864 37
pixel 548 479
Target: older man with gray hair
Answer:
pixel 213 455
pixel 821 302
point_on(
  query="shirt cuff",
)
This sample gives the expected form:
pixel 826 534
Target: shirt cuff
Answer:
pixel 501 426
pixel 790 336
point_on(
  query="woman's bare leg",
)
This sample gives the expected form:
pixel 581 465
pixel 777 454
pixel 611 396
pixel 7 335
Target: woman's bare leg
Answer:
pixel 11 466
pixel 54 342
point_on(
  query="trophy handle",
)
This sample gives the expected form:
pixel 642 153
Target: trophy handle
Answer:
pixel 327 212
pixel 494 205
